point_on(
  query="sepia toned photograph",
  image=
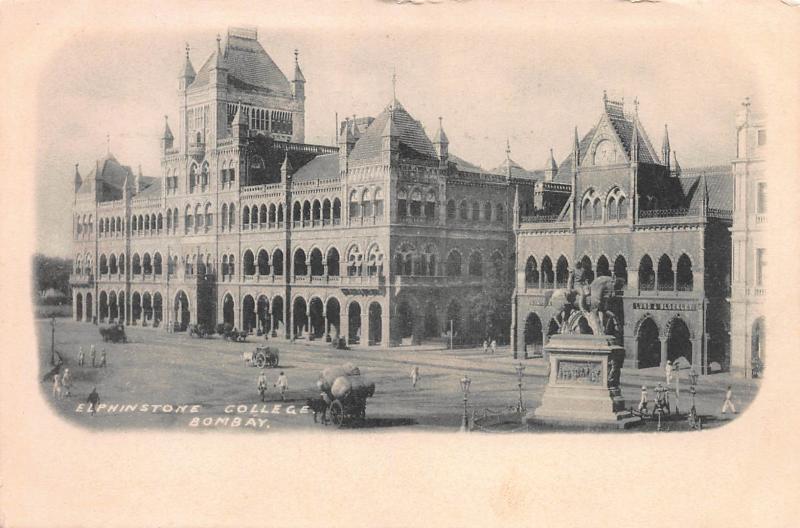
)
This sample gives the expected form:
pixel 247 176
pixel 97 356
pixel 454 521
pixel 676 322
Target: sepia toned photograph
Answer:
pixel 252 227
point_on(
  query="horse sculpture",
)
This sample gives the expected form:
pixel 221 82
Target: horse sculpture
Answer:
pixel 586 302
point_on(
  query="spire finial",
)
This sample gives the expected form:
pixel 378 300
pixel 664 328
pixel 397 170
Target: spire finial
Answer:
pixel 187 51
pixel 219 40
pixel 605 96
pixel 440 121
pixel 508 149
pixel 394 85
pixel 108 144
pixel 746 102
pixel 636 105
pixel 296 54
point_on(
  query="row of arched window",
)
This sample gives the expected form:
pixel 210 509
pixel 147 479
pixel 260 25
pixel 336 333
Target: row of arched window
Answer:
pixel 408 261
pixel 199 176
pixel 542 274
pixel 476 212
pixel 83 226
pixel 314 264
pixel 83 264
pixel 366 203
pixel 611 208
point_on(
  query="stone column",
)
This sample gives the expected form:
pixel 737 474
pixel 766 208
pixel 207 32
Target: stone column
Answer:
pixel 663 351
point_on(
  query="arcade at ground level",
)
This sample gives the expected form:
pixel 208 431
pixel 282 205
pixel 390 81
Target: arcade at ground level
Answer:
pixel 157 367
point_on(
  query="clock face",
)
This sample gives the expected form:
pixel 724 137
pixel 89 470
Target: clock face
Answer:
pixel 605 153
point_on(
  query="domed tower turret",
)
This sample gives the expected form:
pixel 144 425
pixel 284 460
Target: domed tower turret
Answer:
pixel 187 75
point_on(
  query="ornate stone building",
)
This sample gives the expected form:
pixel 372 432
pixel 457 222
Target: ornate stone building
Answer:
pixel 378 239
pixel 624 210
pixel 749 244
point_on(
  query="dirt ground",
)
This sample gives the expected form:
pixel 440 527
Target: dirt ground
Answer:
pixel 161 380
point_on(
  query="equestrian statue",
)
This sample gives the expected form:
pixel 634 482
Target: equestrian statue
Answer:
pixel 585 300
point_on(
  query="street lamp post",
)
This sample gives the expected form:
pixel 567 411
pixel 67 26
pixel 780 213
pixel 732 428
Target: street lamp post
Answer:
pixel 465 383
pixel 53 341
pixel 520 370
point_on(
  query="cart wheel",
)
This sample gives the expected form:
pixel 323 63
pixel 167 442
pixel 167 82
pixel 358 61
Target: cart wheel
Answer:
pixel 337 413
pixel 261 361
pixel 272 361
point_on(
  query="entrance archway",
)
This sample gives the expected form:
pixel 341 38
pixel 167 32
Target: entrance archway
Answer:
pixel 354 322
pixel 147 308
pixel 158 309
pixel 277 314
pixel 248 313
pixel 262 313
pixel 181 311
pixel 648 348
pixel 316 323
pixel 375 323
pixel 89 307
pixel 431 327
pixel 228 316
pixel 299 317
pixel 453 314
pixel 533 334
pixel 136 308
pixel 113 310
pixel 679 341
pixel 79 307
pixel 333 311
pixel 103 306
pixel 405 320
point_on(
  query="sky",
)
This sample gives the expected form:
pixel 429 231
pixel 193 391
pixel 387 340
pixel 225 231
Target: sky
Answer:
pixel 528 87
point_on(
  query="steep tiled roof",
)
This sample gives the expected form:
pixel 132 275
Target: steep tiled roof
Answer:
pixel 624 128
pixel 719 181
pixel 325 166
pixel 464 165
pixel 249 67
pixel 152 187
pixel 517 170
pixel 413 140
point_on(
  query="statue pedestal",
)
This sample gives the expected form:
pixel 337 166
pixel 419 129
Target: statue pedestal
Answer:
pixel 579 390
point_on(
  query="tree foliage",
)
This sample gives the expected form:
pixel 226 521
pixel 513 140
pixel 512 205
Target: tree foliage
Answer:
pixel 51 272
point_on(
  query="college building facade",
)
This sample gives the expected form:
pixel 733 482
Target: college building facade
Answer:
pixel 388 238
pixel 378 240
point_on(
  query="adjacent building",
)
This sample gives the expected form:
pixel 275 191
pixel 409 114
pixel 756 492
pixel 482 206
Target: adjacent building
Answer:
pixel 749 245
pixel 623 209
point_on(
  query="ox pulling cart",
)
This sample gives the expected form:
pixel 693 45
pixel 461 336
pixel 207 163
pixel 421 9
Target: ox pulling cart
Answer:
pixel 347 393
pixel 262 357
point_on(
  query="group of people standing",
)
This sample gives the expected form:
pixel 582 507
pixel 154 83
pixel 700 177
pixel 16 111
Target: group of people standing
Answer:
pixel 282 384
pixel 672 372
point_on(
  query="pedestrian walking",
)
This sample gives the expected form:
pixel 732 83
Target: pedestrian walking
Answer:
pixel 56 386
pixel 93 400
pixel 677 374
pixel 283 385
pixel 92 355
pixel 728 401
pixel 494 346
pixel 668 372
pixel 262 386
pixel 103 359
pixel 66 382
pixel 485 347
pixel 80 356
pixel 414 377
pixel 643 400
